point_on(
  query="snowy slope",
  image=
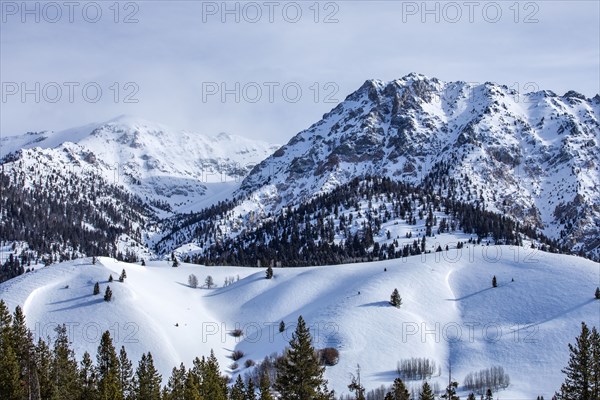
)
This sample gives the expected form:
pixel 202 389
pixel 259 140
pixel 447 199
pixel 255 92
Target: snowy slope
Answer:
pixel 531 156
pixel 184 169
pixel 523 326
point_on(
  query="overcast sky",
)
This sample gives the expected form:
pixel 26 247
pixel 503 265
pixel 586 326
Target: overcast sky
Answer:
pixel 282 64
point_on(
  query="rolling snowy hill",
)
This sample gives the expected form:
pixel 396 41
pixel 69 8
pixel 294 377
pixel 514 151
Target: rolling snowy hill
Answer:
pixel 450 312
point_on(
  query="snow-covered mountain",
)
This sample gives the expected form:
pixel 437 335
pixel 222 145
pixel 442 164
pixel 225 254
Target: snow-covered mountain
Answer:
pixel 183 169
pixel 534 157
pixel 450 313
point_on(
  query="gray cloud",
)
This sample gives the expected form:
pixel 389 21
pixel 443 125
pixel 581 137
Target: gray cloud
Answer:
pixel 171 54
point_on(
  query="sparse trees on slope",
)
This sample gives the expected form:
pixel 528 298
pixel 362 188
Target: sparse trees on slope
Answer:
pixel 269 273
pixel 96 288
pixel 299 376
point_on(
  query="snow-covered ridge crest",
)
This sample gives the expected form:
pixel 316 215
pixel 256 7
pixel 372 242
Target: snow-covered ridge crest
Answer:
pixel 532 156
pixel 159 163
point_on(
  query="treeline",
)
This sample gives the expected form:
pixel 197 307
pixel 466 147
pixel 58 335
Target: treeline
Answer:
pixel 341 227
pixel 41 370
pixel 62 215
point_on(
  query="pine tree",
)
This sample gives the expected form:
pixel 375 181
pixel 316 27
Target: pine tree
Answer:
pixel 395 299
pixel 595 373
pixel 265 387
pixel 451 392
pixel 96 288
pixel 398 392
pixel 10 385
pixel 110 278
pixel 238 391
pixel 212 385
pixel 471 396
pixel 65 374
pixel 175 389
pixel 299 376
pixel 125 374
pixel 597 294
pixel 43 360
pixel 108 369
pixel 269 272
pixel 281 327
pixel 192 387
pixel 356 386
pixel 108 294
pixel 143 262
pixel 209 282
pixel 94 260
pixel 250 390
pixel 147 379
pixel 488 395
pixel 426 392
pixel 494 282
pixel 577 384
pixel 87 378
pixel 25 353
pixel 123 276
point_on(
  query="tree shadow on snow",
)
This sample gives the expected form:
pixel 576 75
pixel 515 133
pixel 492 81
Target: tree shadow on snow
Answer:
pixel 69 300
pixel 80 305
pixel 559 314
pixel 385 376
pixel 377 304
pixel 472 294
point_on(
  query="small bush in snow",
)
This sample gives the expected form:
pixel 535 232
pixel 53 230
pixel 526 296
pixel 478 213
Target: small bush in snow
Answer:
pixel 328 356
pixel 237 333
pixel 249 363
pixel 236 355
pixel 395 299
